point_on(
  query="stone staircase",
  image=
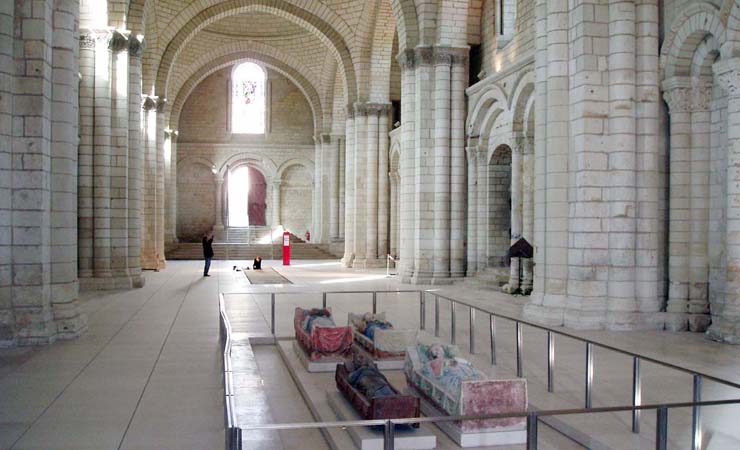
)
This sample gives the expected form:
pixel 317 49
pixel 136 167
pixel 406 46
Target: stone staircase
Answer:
pixel 225 250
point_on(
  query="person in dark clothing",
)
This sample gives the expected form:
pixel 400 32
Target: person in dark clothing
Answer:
pixel 207 251
pixel 257 263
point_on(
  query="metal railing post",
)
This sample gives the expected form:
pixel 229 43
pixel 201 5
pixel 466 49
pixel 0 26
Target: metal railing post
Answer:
pixel 375 302
pixel 452 322
pixel 323 300
pixel 388 435
pixel 472 331
pixel 696 415
pixel 519 361
pixel 532 431
pixel 589 372
pixel 492 329
pixel 422 311
pixel 661 429
pixel 436 315
pixel 272 314
pixel 550 362
pixel 636 394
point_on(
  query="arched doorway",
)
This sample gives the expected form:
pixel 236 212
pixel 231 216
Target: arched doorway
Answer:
pixel 246 183
pixel 499 206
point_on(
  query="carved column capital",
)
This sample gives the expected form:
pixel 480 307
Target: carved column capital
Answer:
pixel 87 38
pixel 118 40
pixel 678 94
pixel 153 103
pixel 701 97
pixel 406 59
pixel 136 46
pixel 423 56
pixel 727 74
pixel 451 55
pixel 350 111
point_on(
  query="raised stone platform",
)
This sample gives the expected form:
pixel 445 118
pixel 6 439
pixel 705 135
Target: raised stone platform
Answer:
pixel 382 364
pixel 371 438
pixel 314 366
pixel 483 438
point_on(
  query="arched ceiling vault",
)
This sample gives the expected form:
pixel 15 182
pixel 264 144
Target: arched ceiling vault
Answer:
pixel 214 65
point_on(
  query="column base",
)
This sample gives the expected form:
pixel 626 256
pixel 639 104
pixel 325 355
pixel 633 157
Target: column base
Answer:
pixel 369 263
pixel 635 321
pixel 348 260
pixel 675 321
pixel 725 331
pixel 111 283
pixel 441 280
pixel 699 323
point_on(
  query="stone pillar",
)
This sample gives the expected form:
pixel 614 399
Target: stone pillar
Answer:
pixel 102 158
pixel 360 186
pixel 423 178
pixel 622 164
pixel 135 156
pixel 341 165
pixel 85 156
pixel 393 241
pixel 527 212
pixel 160 182
pixel 472 240
pixel 482 207
pixel 119 125
pixel 371 187
pixel 516 212
pixel 317 210
pixel 349 191
pixel 458 83
pixel 275 201
pixel 698 301
pixel 384 202
pixel 726 316
pixel 219 182
pixel 333 166
pixel 149 257
pixel 441 177
pixel 407 215
pixel 677 94
pixel 7 73
pixel 68 320
pixel 170 167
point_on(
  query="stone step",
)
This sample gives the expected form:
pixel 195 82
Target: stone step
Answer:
pixel 299 250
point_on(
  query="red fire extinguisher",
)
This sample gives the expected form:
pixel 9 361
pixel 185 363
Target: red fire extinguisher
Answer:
pixel 308 236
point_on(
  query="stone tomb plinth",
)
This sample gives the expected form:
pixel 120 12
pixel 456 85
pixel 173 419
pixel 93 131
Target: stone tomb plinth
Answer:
pixel 381 363
pixel 483 438
pixel 326 365
pixel 371 438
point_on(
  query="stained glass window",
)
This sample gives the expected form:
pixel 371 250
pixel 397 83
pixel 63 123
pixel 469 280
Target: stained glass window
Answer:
pixel 248 99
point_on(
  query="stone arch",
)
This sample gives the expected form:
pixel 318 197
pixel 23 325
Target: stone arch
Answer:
pixel 730 15
pixel 395 196
pixel 695 24
pixel 520 99
pixel 499 204
pixel 136 16
pixel 264 165
pixel 257 194
pixel 495 95
pixel 294 75
pixel 314 20
pixel 381 54
pixel 293 162
pixel 190 159
pixel 407 23
pixel 328 84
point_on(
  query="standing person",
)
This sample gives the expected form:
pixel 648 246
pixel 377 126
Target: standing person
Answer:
pixel 207 251
pixel 257 265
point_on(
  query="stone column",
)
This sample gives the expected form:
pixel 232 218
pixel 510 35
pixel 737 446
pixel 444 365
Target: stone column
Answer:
pixel 275 202
pixel 341 165
pixel 383 184
pixel 149 258
pixel 170 162
pixel 458 83
pixel 482 208
pixel 135 156
pixel 318 209
pixel 527 213
pixel 119 46
pixel 333 166
pixel 516 212
pixel 472 239
pixel 441 178
pixel 102 158
pixel 160 182
pixel 393 241
pixel 349 190
pixel 360 185
pixel 698 300
pixel 371 192
pixel 726 316
pixel 85 216
pixel 68 320
pixel 407 215
pixel 677 94
pixel 423 178
pixel 219 182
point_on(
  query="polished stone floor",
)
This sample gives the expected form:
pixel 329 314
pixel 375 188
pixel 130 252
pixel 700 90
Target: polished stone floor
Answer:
pixel 147 373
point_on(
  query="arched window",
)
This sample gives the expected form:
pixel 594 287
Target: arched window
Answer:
pixel 248 99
